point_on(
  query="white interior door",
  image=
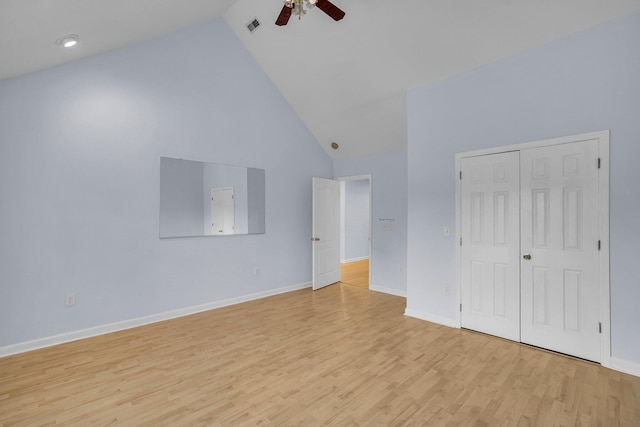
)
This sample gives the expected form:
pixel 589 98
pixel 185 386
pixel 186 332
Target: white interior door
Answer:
pixel 222 211
pixel 560 265
pixel 490 230
pixel 326 232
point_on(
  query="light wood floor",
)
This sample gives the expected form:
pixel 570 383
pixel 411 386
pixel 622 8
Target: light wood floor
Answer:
pixel 338 356
pixel 355 273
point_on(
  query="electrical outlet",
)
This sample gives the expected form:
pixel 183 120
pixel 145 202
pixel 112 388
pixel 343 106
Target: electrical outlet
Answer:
pixel 70 299
pixel 256 271
pixel 447 231
pixel 446 289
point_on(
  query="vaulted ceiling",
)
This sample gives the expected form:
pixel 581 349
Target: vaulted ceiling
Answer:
pixel 346 80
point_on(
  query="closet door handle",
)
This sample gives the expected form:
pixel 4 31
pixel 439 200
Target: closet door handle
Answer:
pixel 526 256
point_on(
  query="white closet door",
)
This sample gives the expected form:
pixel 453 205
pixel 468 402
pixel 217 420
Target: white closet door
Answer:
pixel 559 214
pixel 490 230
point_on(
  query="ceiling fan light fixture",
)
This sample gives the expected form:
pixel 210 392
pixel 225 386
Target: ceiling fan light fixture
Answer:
pixel 68 41
pixel 299 8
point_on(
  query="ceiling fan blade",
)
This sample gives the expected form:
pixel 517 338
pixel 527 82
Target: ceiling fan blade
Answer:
pixel 330 9
pixel 284 16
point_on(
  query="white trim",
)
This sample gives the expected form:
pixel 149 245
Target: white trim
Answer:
pixel 458 202
pixel 362 258
pixel 385 290
pixel 140 321
pixel 430 317
pixel 603 182
pixel 354 177
pixel 631 368
pixel 605 284
pixel 600 135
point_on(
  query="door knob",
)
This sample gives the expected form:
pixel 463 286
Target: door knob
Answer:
pixel 526 256
pixel 315 239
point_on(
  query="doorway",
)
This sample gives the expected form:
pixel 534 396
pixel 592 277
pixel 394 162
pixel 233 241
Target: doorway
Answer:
pixel 533 254
pixel 355 231
pixel 341 235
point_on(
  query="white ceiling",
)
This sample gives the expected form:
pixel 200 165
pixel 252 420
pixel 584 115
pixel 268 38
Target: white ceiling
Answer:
pixel 346 80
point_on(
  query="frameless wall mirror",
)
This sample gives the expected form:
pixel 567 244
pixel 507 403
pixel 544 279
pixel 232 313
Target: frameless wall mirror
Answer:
pixel 210 199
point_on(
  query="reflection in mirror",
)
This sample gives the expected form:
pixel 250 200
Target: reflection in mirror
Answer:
pixel 210 199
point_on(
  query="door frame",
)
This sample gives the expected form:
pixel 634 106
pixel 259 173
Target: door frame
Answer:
pixel 369 178
pixel 603 138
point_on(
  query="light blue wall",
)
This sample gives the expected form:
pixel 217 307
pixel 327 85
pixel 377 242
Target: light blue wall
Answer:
pixel 586 82
pixel 80 149
pixel 356 219
pixel 389 201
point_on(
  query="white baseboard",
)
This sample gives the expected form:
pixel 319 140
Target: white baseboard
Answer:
pixel 140 321
pixel 353 259
pixel 397 292
pixel 430 317
pixel 631 368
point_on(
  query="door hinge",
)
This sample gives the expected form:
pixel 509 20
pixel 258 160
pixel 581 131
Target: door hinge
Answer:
pixel 460 175
pixel 599 327
pixel 599 162
pixel 599 244
pixel 461 241
pixel 460 308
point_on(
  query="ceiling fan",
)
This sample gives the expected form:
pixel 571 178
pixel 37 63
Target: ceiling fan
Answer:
pixel 297 7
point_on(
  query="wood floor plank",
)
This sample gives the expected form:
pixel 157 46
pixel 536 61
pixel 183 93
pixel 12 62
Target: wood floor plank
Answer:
pixel 355 273
pixel 338 356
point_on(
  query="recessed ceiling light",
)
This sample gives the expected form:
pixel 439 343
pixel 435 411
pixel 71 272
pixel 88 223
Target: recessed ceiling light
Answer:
pixel 68 41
